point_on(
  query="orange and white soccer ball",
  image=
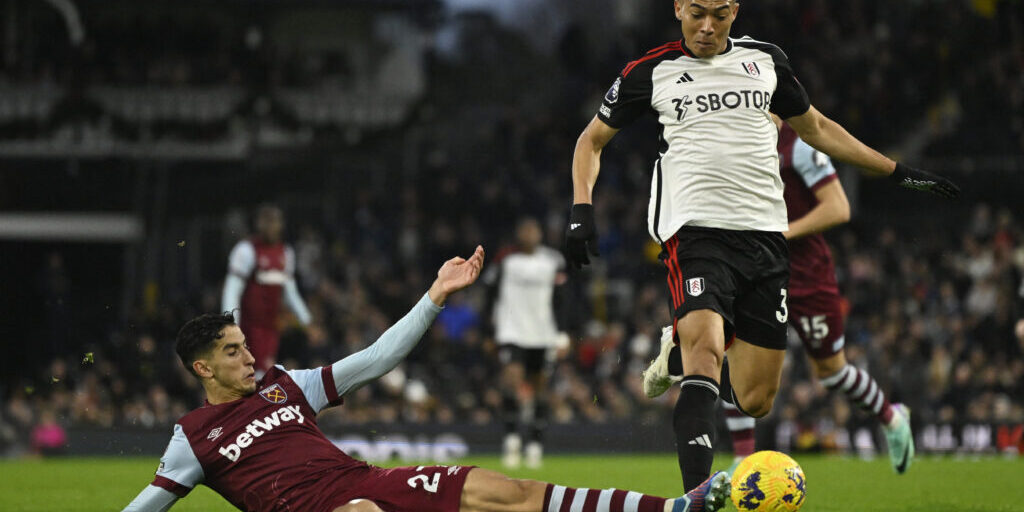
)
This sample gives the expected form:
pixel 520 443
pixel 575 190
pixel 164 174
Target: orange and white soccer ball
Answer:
pixel 768 481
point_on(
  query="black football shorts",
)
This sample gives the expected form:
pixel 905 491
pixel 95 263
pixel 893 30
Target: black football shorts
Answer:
pixel 535 360
pixel 741 275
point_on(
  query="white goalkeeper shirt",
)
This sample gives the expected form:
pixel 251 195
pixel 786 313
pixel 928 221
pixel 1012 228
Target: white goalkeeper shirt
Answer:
pixel 717 164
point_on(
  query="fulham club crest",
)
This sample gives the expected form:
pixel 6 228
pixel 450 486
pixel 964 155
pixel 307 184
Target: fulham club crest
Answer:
pixel 274 394
pixel 752 69
pixel 695 286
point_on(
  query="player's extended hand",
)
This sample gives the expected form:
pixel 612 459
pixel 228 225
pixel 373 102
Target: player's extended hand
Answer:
pixel 456 274
pixel 916 179
pixel 581 236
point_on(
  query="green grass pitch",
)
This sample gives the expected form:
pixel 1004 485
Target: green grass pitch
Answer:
pixel 834 484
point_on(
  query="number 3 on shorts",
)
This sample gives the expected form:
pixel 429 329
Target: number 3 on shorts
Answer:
pixel 783 315
pixel 423 480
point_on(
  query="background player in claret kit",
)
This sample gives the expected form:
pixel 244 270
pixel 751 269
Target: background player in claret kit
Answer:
pixel 717 206
pixel 261 272
pixel 524 284
pixel 815 202
pixel 256 442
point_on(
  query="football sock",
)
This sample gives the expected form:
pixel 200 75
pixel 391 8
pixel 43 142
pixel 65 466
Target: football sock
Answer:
pixel 693 422
pixel 558 497
pixel 860 388
pixel 725 386
pixel 741 429
pixel 510 412
pixel 675 367
pixel 675 361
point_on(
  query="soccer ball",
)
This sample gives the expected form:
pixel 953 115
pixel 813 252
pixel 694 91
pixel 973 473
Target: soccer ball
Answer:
pixel 768 481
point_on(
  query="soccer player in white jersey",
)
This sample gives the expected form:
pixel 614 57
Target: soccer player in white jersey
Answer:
pixel 717 206
pixel 815 202
pixel 256 441
pixel 523 285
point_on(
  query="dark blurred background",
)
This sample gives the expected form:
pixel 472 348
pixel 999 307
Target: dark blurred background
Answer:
pixel 136 138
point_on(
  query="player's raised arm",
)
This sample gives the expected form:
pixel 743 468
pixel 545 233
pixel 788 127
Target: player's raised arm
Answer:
pixel 832 139
pixel 816 171
pixel 383 355
pixel 833 209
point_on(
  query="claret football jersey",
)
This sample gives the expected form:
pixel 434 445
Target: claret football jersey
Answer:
pixel 804 170
pixel 262 452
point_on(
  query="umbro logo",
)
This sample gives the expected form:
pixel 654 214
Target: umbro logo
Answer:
pixel 701 440
pixel 685 78
pixel 574 225
pixel 215 433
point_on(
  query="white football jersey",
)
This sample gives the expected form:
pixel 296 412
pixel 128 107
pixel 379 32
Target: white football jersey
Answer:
pixel 718 165
pixel 524 313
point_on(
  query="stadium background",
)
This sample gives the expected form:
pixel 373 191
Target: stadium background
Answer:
pixel 137 137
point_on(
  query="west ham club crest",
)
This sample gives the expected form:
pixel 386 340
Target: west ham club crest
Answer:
pixel 274 394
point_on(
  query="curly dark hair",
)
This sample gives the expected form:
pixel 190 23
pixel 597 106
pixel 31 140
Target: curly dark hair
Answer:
pixel 198 336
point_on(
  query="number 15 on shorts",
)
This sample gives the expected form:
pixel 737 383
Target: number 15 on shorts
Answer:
pixel 783 313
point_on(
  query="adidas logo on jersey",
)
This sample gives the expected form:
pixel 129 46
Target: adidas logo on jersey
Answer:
pixel 259 427
pixel 701 440
pixel 685 78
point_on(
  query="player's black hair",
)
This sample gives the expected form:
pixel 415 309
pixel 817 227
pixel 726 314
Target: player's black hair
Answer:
pixel 198 336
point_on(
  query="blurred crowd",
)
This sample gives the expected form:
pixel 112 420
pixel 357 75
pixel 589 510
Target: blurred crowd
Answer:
pixel 936 317
pixel 935 310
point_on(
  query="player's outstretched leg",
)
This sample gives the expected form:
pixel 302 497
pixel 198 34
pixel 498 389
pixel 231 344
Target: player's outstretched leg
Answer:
pixel 709 496
pixel 900 439
pixel 491 491
pixel 657 377
pixel 838 375
pixel 693 421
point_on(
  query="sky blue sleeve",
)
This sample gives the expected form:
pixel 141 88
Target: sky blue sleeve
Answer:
pixel 323 388
pixel 313 387
pixel 179 463
pixel 812 165
pixel 390 349
pixel 152 499
pixel 295 303
pixel 178 473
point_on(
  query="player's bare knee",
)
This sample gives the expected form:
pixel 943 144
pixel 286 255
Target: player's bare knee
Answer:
pixel 359 506
pixel 703 358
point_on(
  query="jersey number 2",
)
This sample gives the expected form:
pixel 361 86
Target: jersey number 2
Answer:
pixel 425 482
pixel 783 315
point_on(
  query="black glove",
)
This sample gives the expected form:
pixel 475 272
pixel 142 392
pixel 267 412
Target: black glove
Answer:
pixel 909 177
pixel 580 236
